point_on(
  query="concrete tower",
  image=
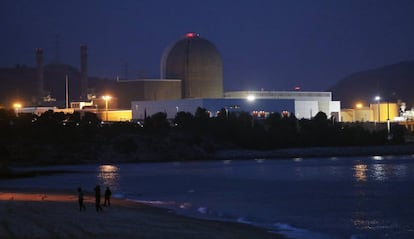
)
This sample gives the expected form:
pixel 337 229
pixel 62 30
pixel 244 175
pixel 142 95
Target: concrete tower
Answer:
pixel 39 76
pixel 198 64
pixel 84 72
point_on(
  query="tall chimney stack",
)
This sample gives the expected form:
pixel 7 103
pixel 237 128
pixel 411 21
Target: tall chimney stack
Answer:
pixel 84 72
pixel 39 75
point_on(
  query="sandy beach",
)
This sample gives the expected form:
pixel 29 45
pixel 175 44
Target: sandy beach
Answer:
pixel 56 215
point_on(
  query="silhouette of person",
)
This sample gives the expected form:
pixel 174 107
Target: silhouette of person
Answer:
pixel 80 200
pixel 98 198
pixel 108 193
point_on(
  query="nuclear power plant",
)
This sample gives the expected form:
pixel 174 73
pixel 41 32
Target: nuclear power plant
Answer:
pixel 191 71
pixel 198 64
pixel 191 68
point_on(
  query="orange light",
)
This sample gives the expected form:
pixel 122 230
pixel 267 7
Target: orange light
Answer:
pixel 359 105
pixel 17 105
pixel 106 97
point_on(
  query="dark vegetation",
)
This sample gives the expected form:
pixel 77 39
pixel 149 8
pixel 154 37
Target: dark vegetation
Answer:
pixel 58 138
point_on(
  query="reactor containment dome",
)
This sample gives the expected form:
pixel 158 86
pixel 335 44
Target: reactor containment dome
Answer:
pixel 197 63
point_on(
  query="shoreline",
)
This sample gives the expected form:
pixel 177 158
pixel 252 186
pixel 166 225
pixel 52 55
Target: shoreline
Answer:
pixel 56 215
pixel 312 152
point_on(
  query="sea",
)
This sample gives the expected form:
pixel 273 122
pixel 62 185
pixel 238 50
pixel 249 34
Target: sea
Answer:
pixel 340 197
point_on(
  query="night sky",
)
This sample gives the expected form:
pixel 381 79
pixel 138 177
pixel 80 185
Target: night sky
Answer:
pixel 265 44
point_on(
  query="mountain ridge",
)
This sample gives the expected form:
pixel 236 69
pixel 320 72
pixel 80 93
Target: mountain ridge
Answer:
pixel 392 83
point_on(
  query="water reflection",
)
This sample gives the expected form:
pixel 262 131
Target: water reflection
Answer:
pixel 360 172
pixel 108 175
pixel 400 170
pixel 369 224
pixel 365 221
pixel 379 172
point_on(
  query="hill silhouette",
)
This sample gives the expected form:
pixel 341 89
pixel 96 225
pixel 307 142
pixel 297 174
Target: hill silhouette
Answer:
pixel 392 82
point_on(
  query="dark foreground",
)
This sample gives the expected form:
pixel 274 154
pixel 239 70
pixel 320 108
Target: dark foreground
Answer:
pixel 52 215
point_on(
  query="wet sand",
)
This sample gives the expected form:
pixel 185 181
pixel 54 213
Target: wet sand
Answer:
pixel 56 215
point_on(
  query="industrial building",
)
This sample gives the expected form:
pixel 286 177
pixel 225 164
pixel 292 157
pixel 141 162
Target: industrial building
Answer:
pixel 258 103
pixel 197 63
pixel 380 112
pixel 191 72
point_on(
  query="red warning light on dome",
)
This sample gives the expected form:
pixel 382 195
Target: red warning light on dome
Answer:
pixel 191 35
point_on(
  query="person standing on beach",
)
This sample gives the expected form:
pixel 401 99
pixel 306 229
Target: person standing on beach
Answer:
pixel 80 200
pixel 108 193
pixel 98 198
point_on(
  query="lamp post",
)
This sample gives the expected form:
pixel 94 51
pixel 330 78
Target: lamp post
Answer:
pixel 378 98
pixel 106 98
pixel 16 107
pixel 388 121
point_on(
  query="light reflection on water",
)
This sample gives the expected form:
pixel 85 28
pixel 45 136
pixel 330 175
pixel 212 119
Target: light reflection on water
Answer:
pixel 379 171
pixel 400 170
pixel 360 172
pixel 108 175
pixel 360 196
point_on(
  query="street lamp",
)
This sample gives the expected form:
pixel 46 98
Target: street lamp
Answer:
pixel 106 98
pixel 16 107
pixel 251 98
pixel 388 121
pixel 378 98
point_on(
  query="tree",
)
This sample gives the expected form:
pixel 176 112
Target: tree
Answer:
pixel 90 119
pixel 157 121
pixel 184 120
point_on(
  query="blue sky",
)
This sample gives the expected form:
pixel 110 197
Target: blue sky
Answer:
pixel 269 44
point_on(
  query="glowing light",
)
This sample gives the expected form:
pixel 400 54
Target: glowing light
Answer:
pixel 191 35
pixel 359 105
pixel 297 88
pixel 377 157
pixel 17 105
pixel 377 98
pixel 106 98
pixel 251 97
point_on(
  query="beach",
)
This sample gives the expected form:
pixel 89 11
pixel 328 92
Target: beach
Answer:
pixel 56 215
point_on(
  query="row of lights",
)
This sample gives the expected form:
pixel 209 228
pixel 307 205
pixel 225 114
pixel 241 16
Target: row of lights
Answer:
pixel 17 106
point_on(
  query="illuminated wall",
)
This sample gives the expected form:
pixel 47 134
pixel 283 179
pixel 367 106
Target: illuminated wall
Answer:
pixel 115 115
pixel 363 114
pixel 347 115
pixel 384 111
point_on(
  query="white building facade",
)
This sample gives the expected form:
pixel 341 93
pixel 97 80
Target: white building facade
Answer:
pixel 259 103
